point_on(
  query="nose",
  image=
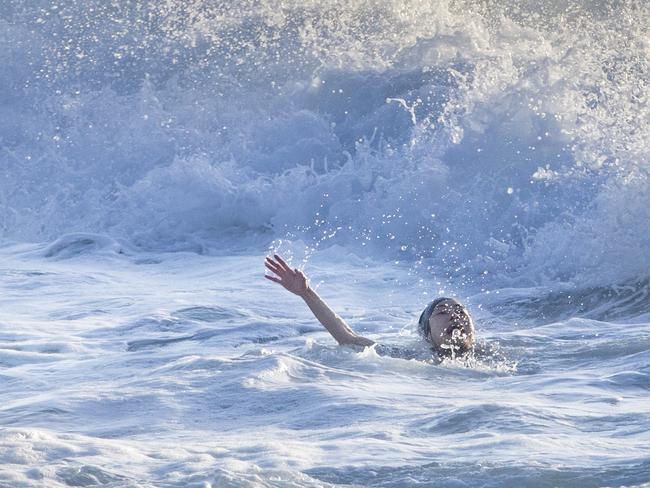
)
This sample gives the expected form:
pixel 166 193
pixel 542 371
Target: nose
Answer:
pixel 458 314
pixel 459 320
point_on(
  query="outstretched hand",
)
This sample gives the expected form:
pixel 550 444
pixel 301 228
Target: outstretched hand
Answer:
pixel 291 279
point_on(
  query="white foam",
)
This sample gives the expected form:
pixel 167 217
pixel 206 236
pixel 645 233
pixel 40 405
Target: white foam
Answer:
pixel 518 145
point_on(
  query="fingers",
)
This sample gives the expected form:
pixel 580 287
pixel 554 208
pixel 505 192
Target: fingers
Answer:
pixel 284 265
pixel 273 266
pixel 273 278
pixel 280 267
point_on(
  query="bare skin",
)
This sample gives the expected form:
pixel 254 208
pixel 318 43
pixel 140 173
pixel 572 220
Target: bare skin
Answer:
pixel 450 323
pixel 296 282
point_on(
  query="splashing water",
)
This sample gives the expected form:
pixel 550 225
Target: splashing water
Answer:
pixel 492 150
pixel 490 141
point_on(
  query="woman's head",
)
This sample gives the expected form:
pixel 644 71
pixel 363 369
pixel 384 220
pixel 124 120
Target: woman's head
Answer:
pixel 448 326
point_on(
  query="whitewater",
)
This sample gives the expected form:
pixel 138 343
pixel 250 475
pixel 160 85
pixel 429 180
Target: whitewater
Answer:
pixel 153 153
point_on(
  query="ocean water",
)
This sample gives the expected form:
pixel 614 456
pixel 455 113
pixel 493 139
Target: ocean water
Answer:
pixel 151 155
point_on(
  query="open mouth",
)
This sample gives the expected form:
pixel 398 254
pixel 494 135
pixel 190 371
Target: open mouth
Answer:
pixel 451 331
pixel 456 325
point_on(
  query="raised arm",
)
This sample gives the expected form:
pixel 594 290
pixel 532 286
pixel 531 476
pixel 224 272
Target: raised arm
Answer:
pixel 296 282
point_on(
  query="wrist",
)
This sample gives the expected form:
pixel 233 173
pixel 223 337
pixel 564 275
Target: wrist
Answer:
pixel 305 294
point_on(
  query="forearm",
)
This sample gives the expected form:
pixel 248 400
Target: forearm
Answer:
pixel 334 324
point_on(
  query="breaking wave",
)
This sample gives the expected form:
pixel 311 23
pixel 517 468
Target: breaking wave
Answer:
pixel 505 142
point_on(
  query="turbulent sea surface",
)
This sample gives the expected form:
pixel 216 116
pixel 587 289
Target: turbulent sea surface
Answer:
pixel 151 154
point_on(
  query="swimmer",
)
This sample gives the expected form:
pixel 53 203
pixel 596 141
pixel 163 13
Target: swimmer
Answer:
pixel 445 323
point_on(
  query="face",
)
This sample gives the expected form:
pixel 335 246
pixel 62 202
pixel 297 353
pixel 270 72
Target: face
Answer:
pixel 450 324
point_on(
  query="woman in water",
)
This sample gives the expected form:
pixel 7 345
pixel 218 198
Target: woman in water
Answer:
pixel 444 323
